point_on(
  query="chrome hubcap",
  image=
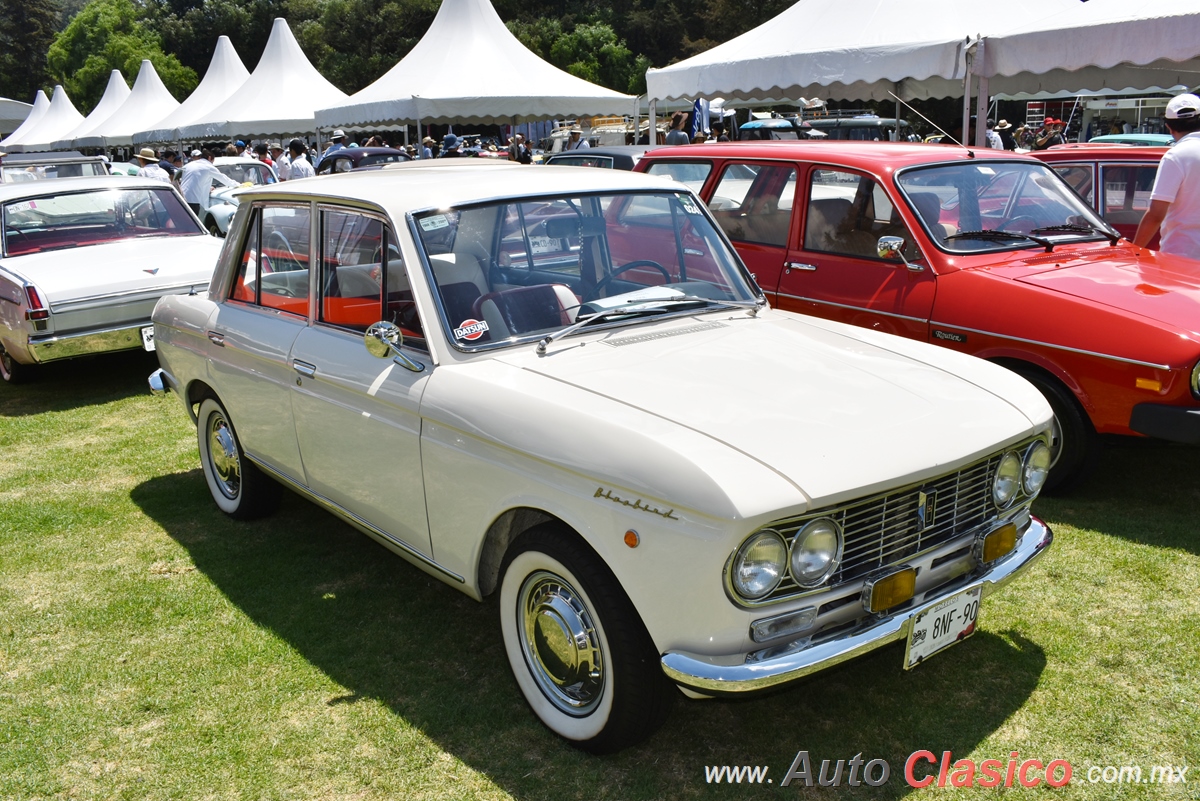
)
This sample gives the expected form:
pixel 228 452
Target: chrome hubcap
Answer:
pixel 222 449
pixel 560 643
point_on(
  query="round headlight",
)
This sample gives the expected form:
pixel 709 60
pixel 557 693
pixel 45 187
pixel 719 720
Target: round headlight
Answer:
pixel 1036 467
pixel 816 552
pixel 759 564
pixel 1196 380
pixel 1008 478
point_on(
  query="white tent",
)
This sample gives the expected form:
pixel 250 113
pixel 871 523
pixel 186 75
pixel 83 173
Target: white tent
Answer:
pixel 13 113
pixel 468 67
pixel 226 74
pixel 62 117
pixel 280 96
pixel 114 95
pixel 41 104
pixel 149 101
pixel 863 49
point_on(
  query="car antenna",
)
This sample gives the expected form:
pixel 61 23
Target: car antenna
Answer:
pixel 931 122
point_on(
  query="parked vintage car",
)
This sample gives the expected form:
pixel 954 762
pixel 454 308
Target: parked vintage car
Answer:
pixel 22 167
pixel 350 158
pixel 981 251
pixel 1141 139
pixel 562 386
pixel 772 128
pixel 85 260
pixel 615 157
pixel 1124 174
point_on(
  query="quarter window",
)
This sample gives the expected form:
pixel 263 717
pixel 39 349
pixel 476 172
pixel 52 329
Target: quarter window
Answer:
pixel 1127 192
pixel 753 202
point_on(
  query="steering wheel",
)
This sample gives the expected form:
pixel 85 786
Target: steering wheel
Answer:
pixel 278 235
pixel 594 292
pixel 1017 222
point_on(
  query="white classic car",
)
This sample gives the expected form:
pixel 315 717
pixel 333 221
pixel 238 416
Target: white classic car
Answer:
pixel 84 261
pixel 239 172
pixel 562 386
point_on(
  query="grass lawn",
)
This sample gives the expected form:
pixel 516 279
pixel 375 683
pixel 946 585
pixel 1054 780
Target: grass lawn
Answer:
pixel 150 648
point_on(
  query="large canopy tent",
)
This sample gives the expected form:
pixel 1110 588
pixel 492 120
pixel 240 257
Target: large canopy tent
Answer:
pixel 13 113
pixel 115 93
pixel 226 74
pixel 149 101
pixel 869 49
pixel 468 67
pixel 41 104
pixel 280 97
pixel 60 118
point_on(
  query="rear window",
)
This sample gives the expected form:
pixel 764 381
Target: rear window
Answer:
pixel 53 222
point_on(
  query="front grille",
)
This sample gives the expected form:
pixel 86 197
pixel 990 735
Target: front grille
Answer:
pixel 886 529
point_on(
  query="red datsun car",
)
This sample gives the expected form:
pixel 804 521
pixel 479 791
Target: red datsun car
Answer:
pixel 985 252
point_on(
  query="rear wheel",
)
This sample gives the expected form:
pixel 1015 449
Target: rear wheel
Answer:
pixel 239 489
pixel 212 227
pixel 11 370
pixel 1075 445
pixel 576 646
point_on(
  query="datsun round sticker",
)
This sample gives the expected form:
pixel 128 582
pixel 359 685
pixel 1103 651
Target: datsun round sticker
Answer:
pixel 471 330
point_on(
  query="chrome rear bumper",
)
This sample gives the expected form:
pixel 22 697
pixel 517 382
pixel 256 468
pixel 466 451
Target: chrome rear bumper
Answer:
pixel 715 675
pixel 66 346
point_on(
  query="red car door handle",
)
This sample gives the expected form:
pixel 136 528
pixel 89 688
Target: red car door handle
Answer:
pixel 795 265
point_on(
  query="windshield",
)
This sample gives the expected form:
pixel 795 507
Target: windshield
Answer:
pixel 997 205
pixel 255 174
pixel 515 270
pixel 52 222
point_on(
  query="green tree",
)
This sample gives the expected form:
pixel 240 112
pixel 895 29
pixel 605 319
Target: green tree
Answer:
pixel 363 39
pixel 107 35
pixel 27 27
pixel 589 50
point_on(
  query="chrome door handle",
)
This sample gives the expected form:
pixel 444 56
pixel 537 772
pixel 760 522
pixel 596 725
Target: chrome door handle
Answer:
pixel 216 339
pixel 795 265
pixel 304 368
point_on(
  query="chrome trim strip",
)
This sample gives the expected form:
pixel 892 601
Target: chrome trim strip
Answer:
pixel 855 308
pixel 73 304
pixel 107 340
pixel 1056 347
pixel 715 675
pixel 352 518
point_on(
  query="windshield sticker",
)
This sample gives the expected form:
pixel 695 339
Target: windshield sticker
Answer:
pixel 434 223
pixel 470 330
pixel 26 206
pixel 986 170
pixel 688 204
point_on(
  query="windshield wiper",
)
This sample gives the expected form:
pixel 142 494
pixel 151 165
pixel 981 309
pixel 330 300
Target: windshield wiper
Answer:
pixel 1080 228
pixel 599 317
pixel 992 233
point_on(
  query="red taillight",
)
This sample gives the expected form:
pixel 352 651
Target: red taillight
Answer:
pixel 37 309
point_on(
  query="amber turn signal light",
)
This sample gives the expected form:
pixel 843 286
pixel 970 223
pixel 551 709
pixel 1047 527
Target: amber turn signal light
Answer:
pixel 891 590
pixel 998 543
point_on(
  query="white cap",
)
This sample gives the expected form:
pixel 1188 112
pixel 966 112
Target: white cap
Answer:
pixel 196 154
pixel 1183 107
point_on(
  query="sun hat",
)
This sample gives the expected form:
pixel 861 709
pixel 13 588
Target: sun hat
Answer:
pixel 427 140
pixel 240 143
pixel 274 146
pixel 338 134
pixel 147 154
pixel 450 140
pixel 1003 125
pixel 1183 107
pixel 196 154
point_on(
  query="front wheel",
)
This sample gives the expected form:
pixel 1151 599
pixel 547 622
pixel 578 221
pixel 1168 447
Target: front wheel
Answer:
pixel 1075 445
pixel 576 646
pixel 240 489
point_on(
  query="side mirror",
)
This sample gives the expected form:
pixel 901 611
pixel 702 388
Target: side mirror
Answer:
pixel 892 249
pixel 384 339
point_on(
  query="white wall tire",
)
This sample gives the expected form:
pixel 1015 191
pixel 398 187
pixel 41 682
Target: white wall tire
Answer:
pixel 577 649
pixel 239 489
pixel 11 370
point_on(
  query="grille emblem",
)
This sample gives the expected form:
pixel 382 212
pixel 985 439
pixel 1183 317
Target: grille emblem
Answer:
pixel 925 509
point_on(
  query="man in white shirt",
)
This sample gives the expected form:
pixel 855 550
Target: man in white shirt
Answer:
pixel 992 137
pixel 150 168
pixel 197 178
pixel 298 165
pixel 577 142
pixel 1175 199
pixel 338 142
pixel 279 158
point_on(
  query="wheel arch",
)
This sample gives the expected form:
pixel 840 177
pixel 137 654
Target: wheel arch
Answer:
pixel 195 393
pixel 1047 369
pixel 509 525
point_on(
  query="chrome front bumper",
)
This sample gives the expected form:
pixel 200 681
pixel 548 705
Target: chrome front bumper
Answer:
pixel 716 675
pixel 55 347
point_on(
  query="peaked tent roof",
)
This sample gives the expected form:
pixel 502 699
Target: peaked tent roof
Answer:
pixel 280 96
pixel 13 114
pixel 41 104
pixel 226 74
pixel 469 67
pixel 60 118
pixel 115 94
pixel 149 101
pixel 1101 44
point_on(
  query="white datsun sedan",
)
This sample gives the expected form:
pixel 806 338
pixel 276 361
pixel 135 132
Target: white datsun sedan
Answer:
pixel 84 261
pixel 562 386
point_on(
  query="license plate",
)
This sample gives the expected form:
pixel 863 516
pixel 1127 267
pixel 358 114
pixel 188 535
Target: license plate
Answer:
pixel 148 337
pixel 544 244
pixel 940 625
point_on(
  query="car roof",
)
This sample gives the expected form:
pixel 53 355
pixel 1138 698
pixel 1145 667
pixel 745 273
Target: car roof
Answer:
pixel 868 156
pixel 774 122
pixel 219 160
pixel 59 157
pixel 365 151
pixel 1109 151
pixel 610 150
pixel 58 186
pixel 407 186
pixel 1135 139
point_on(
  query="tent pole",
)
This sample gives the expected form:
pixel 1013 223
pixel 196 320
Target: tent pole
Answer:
pixel 637 116
pixel 981 110
pixel 653 109
pixel 896 135
pixel 966 112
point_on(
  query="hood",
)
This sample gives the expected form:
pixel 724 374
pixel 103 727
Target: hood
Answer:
pixel 1152 285
pixel 134 265
pixel 834 410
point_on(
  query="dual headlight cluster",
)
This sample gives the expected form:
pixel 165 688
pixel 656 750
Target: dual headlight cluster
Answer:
pixel 760 564
pixel 1019 472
